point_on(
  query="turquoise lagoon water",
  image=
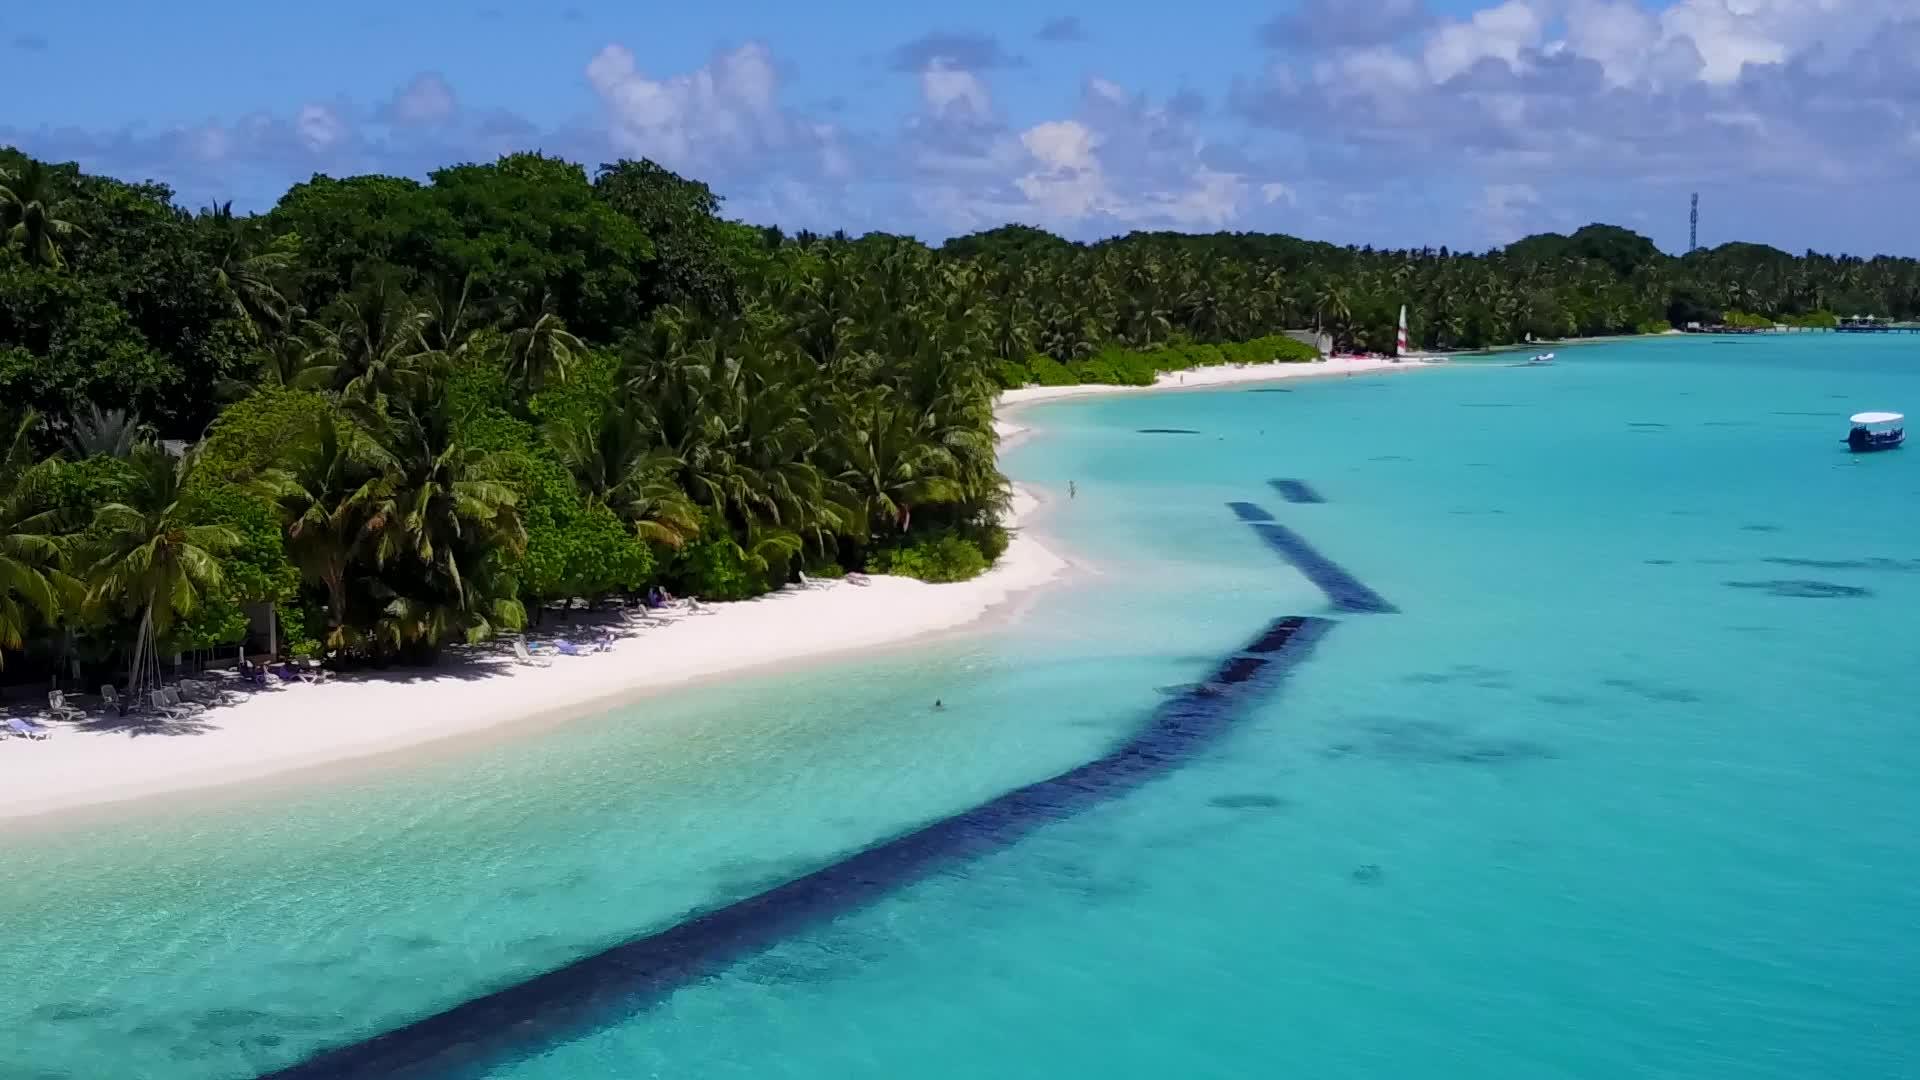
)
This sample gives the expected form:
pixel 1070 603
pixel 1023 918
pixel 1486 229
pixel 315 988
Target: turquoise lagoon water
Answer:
pixel 1626 788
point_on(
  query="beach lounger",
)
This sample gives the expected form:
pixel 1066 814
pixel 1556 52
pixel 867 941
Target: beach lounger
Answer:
pixel 166 702
pixel 521 654
pixel 206 693
pixel 111 699
pixel 58 708
pixel 857 579
pixel 26 728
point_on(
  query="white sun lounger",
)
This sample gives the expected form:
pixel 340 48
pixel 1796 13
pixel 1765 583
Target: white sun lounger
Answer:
pixel 58 708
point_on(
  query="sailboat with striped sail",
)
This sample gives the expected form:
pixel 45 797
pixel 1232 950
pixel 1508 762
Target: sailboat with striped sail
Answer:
pixel 1402 347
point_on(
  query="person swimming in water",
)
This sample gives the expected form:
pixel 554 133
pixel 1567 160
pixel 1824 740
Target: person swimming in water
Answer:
pixel 1072 490
pixel 938 706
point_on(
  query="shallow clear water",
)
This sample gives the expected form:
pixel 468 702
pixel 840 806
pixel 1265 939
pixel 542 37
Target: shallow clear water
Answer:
pixel 1625 788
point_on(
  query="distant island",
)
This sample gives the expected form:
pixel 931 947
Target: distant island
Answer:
pixel 400 415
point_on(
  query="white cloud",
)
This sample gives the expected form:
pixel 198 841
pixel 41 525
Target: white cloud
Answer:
pixel 1503 210
pixel 725 112
pixel 320 127
pixel 952 91
pixel 427 99
pixel 1271 193
pixel 1503 33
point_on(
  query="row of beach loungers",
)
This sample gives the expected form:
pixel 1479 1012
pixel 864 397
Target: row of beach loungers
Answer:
pixel 177 702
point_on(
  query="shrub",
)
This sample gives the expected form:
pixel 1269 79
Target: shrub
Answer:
pixel 991 540
pixel 937 558
pixel 715 567
pixel 1050 372
pixel 1014 374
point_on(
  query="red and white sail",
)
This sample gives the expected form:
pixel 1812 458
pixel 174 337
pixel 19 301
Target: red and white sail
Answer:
pixel 1400 346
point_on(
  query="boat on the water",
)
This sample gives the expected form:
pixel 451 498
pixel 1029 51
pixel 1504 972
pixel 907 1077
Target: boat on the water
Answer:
pixel 1403 346
pixel 1543 358
pixel 1876 431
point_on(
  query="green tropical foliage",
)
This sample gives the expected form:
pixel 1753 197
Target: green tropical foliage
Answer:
pixel 406 414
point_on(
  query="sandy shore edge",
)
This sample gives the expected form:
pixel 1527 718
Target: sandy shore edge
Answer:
pixel 323 728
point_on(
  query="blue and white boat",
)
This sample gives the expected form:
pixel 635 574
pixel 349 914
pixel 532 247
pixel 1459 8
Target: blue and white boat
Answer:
pixel 1876 431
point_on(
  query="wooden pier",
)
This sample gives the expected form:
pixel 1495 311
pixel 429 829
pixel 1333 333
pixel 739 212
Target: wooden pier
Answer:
pixel 1883 328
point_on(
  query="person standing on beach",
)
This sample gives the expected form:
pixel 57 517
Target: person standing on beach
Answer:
pixel 1071 490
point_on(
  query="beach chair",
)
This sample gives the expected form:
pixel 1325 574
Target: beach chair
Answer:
pixel 313 674
pixel 193 690
pixel 857 579
pixel 111 699
pixel 26 728
pixel 521 654
pixel 166 702
pixel 58 708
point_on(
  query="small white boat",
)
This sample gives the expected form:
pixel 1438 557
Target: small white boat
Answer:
pixel 1876 431
pixel 1542 358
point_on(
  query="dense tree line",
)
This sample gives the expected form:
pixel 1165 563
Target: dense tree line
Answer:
pixel 404 414
pixel 1070 300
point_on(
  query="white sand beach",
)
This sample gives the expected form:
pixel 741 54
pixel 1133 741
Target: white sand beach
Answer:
pixel 301 727
pixel 1196 379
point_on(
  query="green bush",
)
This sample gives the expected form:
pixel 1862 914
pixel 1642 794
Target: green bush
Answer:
pixel 1653 326
pixel 1812 318
pixel 991 540
pixel 1014 374
pixel 715 567
pixel 937 558
pixel 1050 372
pixel 1116 367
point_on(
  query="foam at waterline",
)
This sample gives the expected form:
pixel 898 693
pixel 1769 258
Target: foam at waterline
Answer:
pixel 605 987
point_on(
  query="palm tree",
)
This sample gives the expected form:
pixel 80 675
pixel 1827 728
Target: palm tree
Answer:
pixel 449 311
pixel 30 215
pixel 31 581
pixel 105 433
pixel 149 558
pixel 541 348
pixel 434 521
pixel 890 467
pixel 375 347
pixel 317 497
pixel 619 464
pixel 246 273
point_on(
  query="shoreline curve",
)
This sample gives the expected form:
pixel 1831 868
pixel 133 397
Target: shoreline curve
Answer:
pixel 365 722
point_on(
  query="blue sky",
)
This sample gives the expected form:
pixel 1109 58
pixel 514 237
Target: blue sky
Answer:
pixel 1389 122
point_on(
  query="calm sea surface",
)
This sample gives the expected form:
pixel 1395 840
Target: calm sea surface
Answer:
pixel 1628 785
